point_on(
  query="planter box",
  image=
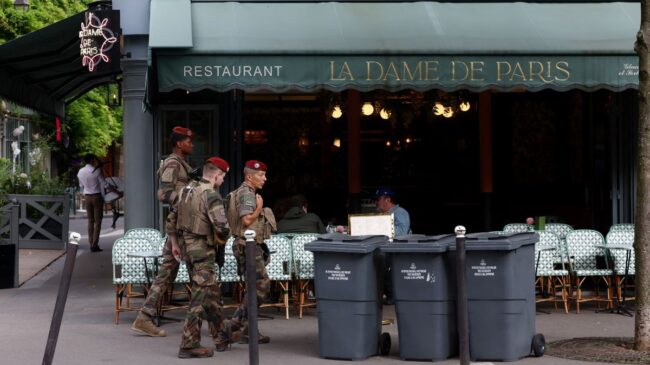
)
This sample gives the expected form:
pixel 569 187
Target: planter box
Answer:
pixel 43 220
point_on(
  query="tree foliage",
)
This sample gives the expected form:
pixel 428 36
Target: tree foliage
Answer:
pixel 90 125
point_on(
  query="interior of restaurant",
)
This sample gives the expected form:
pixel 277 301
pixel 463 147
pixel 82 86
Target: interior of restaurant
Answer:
pixel 550 153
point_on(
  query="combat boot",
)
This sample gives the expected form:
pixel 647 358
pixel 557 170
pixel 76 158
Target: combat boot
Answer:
pixel 144 326
pixel 195 352
pixel 260 338
pixel 227 337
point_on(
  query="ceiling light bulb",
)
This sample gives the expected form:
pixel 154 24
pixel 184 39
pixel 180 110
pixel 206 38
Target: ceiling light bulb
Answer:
pixel 384 113
pixel 448 113
pixel 464 106
pixel 388 143
pixel 367 109
pixel 337 112
pixel 337 142
pixel 438 109
pixel 408 140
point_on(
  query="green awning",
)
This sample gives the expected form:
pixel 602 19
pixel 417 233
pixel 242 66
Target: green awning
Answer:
pixel 43 70
pixel 393 46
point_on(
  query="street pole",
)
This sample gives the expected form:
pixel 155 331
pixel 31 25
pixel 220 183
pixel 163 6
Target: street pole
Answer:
pixel 251 298
pixel 461 303
pixel 62 296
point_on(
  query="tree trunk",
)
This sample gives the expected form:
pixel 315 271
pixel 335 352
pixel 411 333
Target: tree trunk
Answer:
pixel 642 214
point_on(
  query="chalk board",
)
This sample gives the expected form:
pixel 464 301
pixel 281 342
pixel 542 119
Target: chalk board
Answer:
pixel 371 224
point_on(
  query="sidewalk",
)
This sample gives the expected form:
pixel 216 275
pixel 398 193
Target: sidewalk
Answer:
pixel 88 335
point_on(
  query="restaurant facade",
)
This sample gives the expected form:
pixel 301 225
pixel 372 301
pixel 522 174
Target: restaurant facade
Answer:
pixel 474 113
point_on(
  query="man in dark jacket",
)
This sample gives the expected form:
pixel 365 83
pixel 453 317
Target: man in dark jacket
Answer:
pixel 298 220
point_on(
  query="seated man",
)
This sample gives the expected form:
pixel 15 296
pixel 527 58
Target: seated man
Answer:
pixel 386 204
pixel 298 220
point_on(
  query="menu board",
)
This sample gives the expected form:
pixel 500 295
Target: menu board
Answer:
pixel 372 224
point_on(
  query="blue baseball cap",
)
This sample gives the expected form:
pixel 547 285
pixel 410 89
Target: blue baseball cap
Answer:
pixel 383 191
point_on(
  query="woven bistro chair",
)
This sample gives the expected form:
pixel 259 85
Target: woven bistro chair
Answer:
pixel 151 234
pixel 622 227
pixel 622 238
pixel 583 248
pixel 280 268
pixel 228 274
pixel 549 278
pixel 561 230
pixel 127 272
pixel 303 262
pixel 517 227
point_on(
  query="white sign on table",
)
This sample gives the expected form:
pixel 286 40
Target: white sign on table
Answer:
pixel 372 224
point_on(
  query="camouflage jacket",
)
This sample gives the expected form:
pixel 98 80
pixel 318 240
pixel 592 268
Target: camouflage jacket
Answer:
pixel 200 211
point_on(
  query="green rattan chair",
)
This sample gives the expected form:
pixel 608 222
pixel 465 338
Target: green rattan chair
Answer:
pixel 228 273
pixel 561 230
pixel 550 279
pixel 622 227
pixel 151 234
pixel 583 248
pixel 128 271
pixel 280 268
pixel 517 227
pixel 303 262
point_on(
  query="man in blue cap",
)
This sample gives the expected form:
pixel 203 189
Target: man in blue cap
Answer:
pixel 385 200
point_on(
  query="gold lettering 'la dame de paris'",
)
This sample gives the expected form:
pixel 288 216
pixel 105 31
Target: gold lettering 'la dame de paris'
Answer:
pixel 450 70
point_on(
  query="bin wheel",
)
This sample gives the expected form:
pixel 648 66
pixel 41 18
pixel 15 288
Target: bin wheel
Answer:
pixel 384 344
pixel 539 345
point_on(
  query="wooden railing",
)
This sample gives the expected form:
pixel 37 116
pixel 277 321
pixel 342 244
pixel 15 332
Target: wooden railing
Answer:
pixel 43 220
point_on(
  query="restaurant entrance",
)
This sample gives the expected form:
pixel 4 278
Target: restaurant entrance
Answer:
pixel 553 155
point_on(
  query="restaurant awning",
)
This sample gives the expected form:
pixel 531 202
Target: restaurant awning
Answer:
pixel 393 46
pixel 43 70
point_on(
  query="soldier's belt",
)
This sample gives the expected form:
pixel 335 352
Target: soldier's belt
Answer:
pixel 192 235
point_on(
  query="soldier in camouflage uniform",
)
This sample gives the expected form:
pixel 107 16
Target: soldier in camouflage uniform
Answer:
pixel 245 210
pixel 173 176
pixel 202 222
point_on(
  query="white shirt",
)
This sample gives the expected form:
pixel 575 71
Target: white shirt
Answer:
pixel 91 180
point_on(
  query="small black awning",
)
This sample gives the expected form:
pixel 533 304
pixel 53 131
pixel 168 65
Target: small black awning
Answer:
pixel 43 70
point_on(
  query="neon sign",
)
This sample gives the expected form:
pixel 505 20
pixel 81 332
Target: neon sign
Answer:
pixel 96 39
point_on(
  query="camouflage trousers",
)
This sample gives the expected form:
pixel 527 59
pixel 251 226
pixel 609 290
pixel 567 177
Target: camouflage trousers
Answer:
pixel 165 278
pixel 206 295
pixel 262 283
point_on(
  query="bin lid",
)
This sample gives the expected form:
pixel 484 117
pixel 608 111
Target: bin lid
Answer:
pixel 339 242
pixel 489 241
pixel 419 243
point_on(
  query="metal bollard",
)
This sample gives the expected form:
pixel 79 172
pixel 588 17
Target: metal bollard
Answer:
pixel 62 296
pixel 461 303
pixel 251 298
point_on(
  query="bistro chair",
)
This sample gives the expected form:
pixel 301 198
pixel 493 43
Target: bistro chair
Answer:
pixel 622 227
pixel 548 277
pixel 560 230
pixel 517 228
pixel 303 262
pixel 584 245
pixel 228 274
pixel 623 274
pixel 151 234
pixel 128 271
pixel 280 268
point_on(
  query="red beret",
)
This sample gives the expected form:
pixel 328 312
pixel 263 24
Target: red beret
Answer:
pixel 256 165
pixel 182 131
pixel 219 162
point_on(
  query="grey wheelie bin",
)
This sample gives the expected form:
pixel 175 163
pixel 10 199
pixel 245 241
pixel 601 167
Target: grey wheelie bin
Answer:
pixel 347 282
pixel 500 277
pixel 424 293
